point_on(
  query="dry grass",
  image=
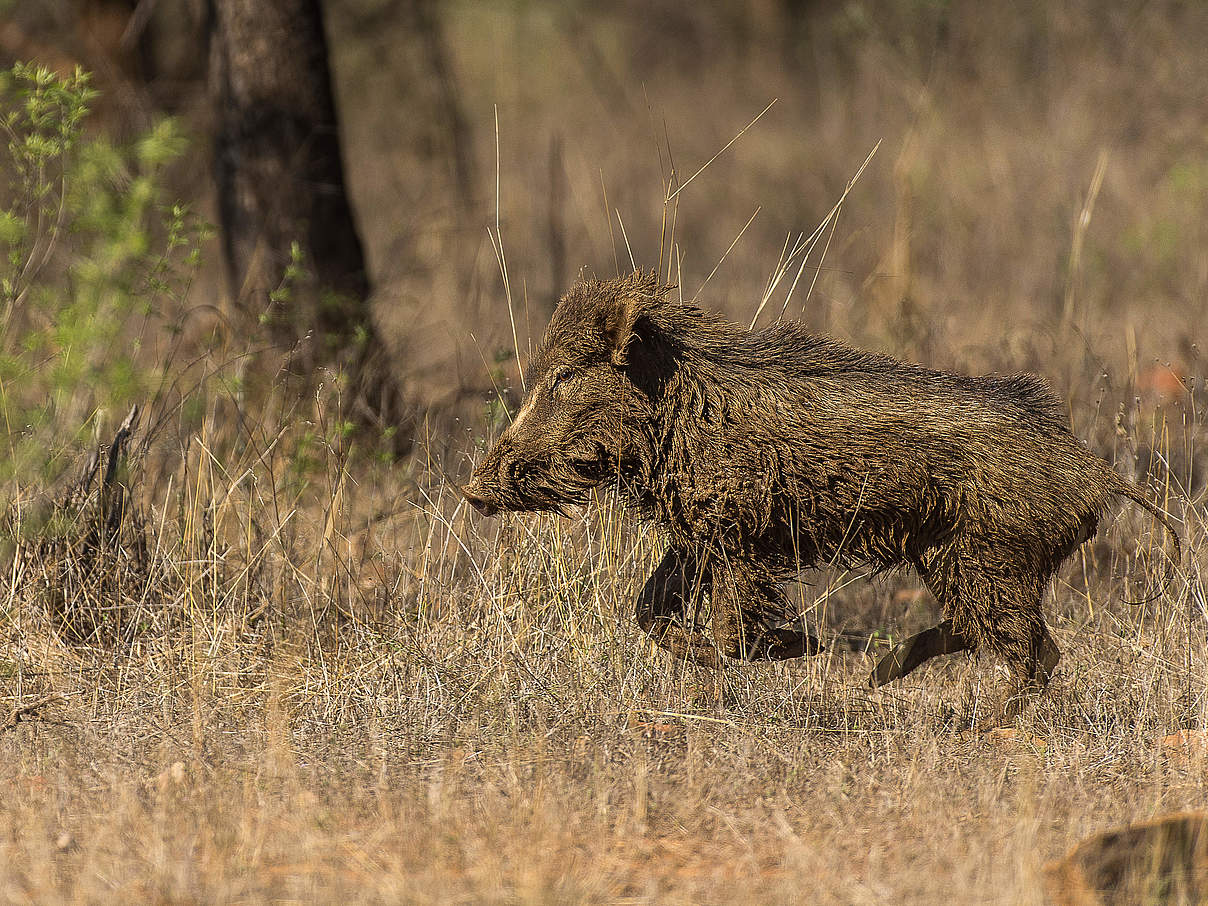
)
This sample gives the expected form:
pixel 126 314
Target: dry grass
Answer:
pixel 342 687
pixel 434 708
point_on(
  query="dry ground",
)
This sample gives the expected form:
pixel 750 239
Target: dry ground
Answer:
pixel 466 713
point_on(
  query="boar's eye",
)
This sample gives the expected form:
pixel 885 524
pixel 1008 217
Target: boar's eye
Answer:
pixel 516 470
pixel 561 376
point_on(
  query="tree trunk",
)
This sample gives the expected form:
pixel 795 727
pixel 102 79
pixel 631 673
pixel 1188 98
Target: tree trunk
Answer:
pixel 281 182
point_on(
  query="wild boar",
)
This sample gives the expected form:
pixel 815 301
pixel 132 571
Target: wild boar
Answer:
pixel 760 454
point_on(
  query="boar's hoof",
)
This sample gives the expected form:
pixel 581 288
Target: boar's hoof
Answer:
pixel 783 644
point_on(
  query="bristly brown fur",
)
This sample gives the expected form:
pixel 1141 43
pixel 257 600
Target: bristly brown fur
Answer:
pixel 762 454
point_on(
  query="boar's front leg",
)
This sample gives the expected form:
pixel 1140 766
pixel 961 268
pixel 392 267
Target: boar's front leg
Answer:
pixel 669 605
pixel 752 618
pixel 749 615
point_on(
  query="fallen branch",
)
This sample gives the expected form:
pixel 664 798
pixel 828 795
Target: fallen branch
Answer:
pixel 31 708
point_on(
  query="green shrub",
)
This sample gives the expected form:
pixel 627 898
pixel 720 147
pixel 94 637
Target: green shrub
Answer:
pixel 93 262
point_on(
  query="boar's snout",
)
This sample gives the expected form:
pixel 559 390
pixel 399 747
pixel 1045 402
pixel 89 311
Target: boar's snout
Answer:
pixel 482 492
pixel 494 481
pixel 478 501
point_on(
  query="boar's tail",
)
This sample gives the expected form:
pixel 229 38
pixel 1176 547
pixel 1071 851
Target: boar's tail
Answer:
pixel 1126 488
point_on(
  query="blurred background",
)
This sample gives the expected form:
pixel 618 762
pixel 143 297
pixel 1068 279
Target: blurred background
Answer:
pixel 254 327
pixel 1037 201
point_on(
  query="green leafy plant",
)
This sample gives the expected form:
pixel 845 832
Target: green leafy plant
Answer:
pixel 92 260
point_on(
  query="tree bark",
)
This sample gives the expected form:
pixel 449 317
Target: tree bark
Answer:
pixel 280 176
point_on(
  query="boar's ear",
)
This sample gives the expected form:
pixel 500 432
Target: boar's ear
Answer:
pixel 637 297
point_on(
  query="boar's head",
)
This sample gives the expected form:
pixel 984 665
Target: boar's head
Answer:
pixel 587 416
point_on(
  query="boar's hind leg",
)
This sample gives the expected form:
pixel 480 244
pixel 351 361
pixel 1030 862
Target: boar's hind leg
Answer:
pixel 996 605
pixel 1003 612
pixel 917 650
pixel 663 610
